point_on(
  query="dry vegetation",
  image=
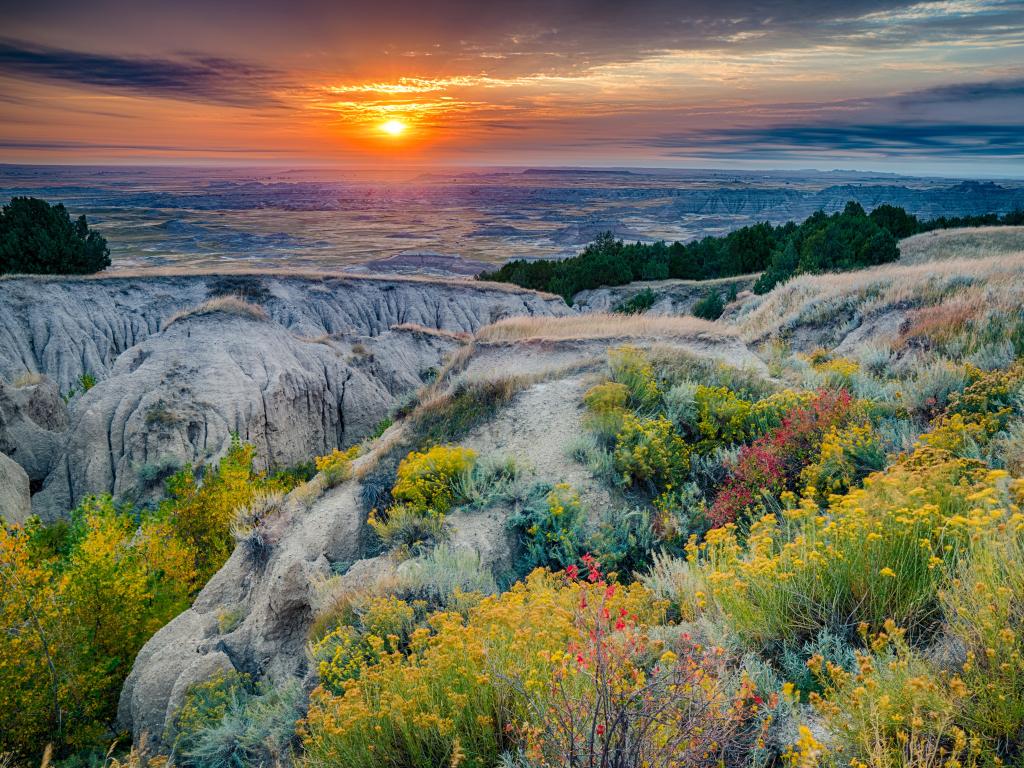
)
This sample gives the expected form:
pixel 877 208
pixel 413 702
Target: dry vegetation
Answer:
pixel 989 285
pixel 29 379
pixel 600 326
pixel 974 243
pixel 439 332
pixel 231 305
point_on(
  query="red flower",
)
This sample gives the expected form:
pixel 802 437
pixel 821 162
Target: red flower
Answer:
pixel 600 730
pixel 572 572
pixel 773 462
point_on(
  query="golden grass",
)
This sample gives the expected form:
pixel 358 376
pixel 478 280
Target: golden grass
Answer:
pixel 600 326
pixel 28 379
pixel 231 305
pixel 995 283
pixel 439 332
pixel 967 243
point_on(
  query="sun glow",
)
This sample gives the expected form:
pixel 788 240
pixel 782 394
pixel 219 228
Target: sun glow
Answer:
pixel 393 127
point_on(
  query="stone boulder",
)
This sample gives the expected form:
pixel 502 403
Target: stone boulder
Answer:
pixel 33 420
pixel 15 502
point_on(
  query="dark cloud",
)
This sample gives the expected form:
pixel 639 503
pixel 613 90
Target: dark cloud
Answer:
pixel 71 145
pixel 969 120
pixel 885 140
pixel 502 37
pixel 965 92
pixel 203 78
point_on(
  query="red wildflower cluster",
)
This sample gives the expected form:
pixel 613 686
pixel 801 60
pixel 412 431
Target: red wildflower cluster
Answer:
pixel 773 462
pixel 608 704
pixel 592 566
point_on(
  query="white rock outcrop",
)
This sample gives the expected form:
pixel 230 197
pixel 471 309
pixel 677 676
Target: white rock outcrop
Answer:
pixel 324 365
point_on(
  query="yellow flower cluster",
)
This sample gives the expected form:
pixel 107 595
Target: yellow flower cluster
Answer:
pixel 72 625
pixel 894 710
pixel 337 465
pixel 910 523
pixel 651 450
pixel 837 371
pixel 630 367
pixel 449 690
pixel 425 479
pixel 425 490
pixel 847 455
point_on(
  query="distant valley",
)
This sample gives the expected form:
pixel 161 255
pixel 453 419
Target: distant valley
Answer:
pixel 325 219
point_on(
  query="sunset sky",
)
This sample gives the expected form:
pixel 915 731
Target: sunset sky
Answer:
pixel 874 84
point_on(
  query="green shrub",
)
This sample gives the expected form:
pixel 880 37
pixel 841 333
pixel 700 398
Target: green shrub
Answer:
pixel 549 529
pixel 227 722
pixel 403 526
pixel 36 237
pixel 828 647
pixel 710 307
pixel 636 304
pixel 448 418
pixel 588 450
pixel 439 576
pixel 490 481
pixel 625 541
pixel 382 426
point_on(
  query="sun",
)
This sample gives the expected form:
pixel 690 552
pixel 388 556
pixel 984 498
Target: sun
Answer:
pixel 393 127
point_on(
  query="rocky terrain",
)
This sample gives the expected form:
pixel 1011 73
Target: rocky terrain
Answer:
pixel 300 366
pixel 320 532
pixel 671 297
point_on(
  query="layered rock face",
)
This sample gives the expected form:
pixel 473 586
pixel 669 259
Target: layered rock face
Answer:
pixel 318 371
pixel 66 327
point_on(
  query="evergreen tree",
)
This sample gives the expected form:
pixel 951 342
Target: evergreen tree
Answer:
pixel 36 237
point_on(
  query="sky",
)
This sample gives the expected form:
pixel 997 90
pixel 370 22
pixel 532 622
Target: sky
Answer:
pixel 927 87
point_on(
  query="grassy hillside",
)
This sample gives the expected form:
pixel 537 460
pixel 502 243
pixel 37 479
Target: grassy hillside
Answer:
pixel 970 243
pixel 789 538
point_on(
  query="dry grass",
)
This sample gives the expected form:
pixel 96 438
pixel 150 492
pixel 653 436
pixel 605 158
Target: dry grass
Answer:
pixel 230 305
pixel 29 379
pixel 600 326
pixel 968 243
pixel 440 333
pixel 948 317
pixel 994 283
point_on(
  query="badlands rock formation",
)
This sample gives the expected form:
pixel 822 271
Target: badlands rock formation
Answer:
pixel 315 366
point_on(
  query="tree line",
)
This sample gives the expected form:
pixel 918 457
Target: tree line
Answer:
pixel 849 239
